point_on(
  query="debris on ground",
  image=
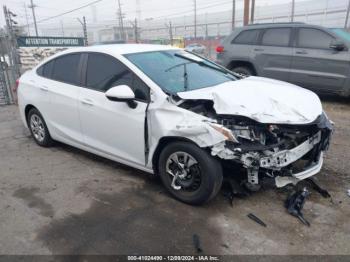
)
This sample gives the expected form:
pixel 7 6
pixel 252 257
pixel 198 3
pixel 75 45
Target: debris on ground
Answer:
pixel 196 243
pixel 256 219
pixel 319 189
pixel 233 189
pixel 295 203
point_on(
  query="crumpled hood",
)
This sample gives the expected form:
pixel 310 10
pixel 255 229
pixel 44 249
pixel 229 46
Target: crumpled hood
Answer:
pixel 262 99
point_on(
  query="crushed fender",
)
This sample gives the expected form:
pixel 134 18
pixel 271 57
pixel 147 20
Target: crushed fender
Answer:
pixel 295 203
pixel 256 219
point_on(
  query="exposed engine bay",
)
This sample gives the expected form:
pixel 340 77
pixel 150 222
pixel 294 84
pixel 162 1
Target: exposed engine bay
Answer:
pixel 287 153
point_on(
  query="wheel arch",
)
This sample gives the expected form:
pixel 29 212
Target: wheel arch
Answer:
pixel 241 63
pixel 27 109
pixel 162 143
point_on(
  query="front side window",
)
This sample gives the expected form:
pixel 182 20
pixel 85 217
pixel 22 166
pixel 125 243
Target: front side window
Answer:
pixel 247 37
pixel 104 72
pixel 66 69
pixel 177 71
pixel 276 37
pixel 314 38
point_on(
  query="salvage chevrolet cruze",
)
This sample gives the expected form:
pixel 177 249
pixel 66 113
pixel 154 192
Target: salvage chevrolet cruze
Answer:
pixel 172 113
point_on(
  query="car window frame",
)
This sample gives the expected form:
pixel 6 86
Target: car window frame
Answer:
pixel 317 48
pixel 42 67
pixel 291 34
pixel 243 31
pixel 83 79
pixel 79 84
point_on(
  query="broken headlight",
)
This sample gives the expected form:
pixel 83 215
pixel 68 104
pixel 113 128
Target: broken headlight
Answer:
pixel 225 132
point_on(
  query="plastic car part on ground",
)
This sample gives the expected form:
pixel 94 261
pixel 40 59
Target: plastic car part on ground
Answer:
pixel 295 203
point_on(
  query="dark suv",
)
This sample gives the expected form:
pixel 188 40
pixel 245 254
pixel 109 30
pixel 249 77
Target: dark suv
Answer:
pixel 311 56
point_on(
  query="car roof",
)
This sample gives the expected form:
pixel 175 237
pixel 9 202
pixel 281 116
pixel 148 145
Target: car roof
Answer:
pixel 276 25
pixel 120 49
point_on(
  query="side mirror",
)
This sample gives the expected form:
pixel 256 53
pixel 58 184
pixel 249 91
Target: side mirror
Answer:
pixel 122 93
pixel 337 45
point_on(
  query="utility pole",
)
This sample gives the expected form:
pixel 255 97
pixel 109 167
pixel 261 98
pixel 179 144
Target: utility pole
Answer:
pixel 195 19
pixel 32 6
pixel 246 12
pixel 121 23
pixel 233 14
pixel 136 31
pixel 170 28
pixel 171 33
pixel 26 14
pixel 292 13
pixel 347 16
pixel 252 11
pixel 83 24
pixel 62 28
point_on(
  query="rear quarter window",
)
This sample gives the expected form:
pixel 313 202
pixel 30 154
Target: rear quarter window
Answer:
pixel 249 37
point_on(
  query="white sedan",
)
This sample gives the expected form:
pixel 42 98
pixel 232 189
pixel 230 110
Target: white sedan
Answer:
pixel 169 112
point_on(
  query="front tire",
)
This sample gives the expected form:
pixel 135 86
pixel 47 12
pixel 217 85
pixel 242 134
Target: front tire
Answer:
pixel 38 128
pixel 189 173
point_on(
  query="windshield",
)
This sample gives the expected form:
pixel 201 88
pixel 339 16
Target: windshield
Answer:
pixel 343 34
pixel 178 71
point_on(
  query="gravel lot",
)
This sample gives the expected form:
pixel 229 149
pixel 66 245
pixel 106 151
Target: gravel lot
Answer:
pixel 65 201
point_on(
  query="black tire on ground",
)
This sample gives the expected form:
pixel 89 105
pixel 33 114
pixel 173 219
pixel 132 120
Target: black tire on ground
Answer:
pixel 243 70
pixel 44 138
pixel 209 168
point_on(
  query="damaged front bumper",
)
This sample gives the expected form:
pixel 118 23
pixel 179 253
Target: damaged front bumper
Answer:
pixel 285 166
pixel 312 170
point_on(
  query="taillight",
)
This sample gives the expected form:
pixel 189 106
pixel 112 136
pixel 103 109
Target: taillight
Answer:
pixel 16 86
pixel 220 49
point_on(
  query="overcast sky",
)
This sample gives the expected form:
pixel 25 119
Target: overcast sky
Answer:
pixel 106 9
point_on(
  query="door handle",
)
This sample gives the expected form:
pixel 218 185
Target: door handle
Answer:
pixel 258 49
pixel 301 52
pixel 44 88
pixel 86 101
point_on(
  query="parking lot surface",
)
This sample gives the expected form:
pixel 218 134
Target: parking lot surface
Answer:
pixel 62 200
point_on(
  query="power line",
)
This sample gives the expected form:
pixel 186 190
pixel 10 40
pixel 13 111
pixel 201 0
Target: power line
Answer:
pixel 190 11
pixel 70 11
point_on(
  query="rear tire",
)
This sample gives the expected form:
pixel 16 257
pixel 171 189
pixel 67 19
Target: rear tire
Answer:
pixel 201 174
pixel 243 70
pixel 38 128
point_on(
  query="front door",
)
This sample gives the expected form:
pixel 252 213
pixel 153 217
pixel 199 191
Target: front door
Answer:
pixel 111 127
pixel 315 65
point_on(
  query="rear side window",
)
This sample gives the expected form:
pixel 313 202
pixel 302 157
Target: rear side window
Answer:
pixel 45 70
pixel 66 69
pixel 314 38
pixel 276 37
pixel 104 72
pixel 247 37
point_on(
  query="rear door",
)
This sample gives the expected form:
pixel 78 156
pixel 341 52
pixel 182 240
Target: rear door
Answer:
pixel 63 92
pixel 239 48
pixel 315 65
pixel 112 127
pixel 273 57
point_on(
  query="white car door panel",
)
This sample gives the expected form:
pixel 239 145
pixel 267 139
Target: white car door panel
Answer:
pixel 108 126
pixel 63 113
pixel 62 87
pixel 113 127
